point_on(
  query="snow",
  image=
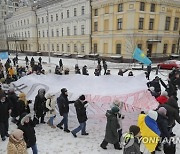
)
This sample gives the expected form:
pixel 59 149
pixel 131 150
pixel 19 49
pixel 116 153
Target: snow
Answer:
pixel 52 141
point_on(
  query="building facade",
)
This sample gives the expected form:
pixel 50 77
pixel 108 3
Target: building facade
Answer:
pixel 118 26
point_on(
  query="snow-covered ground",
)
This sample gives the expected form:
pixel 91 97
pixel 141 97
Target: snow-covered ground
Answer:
pixel 55 141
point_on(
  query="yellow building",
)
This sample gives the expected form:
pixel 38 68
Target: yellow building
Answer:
pixel 118 26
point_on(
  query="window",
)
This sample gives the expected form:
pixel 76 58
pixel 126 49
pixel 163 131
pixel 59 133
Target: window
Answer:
pixel 57 47
pixel 68 48
pixel 27 21
pixel 119 24
pixel 153 7
pixel 52 47
pixel 68 31
pixel 141 22
pixel 142 6
pixel 51 18
pixel 75 12
pixel 24 22
pixel 44 47
pixel 75 30
pixel 62 15
pixel 25 35
pixel 173 48
pixel 120 7
pixel 43 34
pixel 106 25
pixel 75 48
pixel 39 33
pixel 52 32
pixel 96 12
pixel 82 29
pixel 165 48
pixel 106 9
pixel 95 47
pixel 118 48
pixel 28 34
pixel 95 26
pixel 176 23
pixel 62 31
pixel 62 47
pixel 167 24
pixel 82 10
pixel 38 21
pixel 46 18
pixel 139 46
pixel 21 22
pixel 82 48
pixel 151 24
pixel 57 32
pixel 67 13
pixel 39 46
pixel 29 47
pixel 42 19
pixel 56 17
pixel 47 33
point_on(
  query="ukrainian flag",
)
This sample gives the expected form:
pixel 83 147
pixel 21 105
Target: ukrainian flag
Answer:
pixel 4 55
pixel 140 56
pixel 149 131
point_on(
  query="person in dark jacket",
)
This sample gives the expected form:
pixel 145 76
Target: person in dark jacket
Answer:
pixel 104 66
pixel 32 62
pixel 5 111
pixel 96 72
pixel 132 136
pixel 13 99
pixel 40 60
pixel 155 83
pixel 60 64
pixel 111 135
pixel 130 73
pixel 80 106
pixel 27 126
pixel 121 72
pixel 148 71
pixel 84 70
pixel 172 111
pixel 27 60
pixel 63 105
pixel 77 70
pixel 39 105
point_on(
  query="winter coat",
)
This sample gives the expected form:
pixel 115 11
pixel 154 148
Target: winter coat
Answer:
pixel 39 105
pixel 162 99
pixel 4 110
pixel 21 107
pixel 63 104
pixel 155 83
pixel 51 105
pixel 80 111
pixel 172 111
pixel 11 71
pixel 16 147
pixel 162 122
pixel 135 148
pixel 29 133
pixel 13 99
pixel 111 135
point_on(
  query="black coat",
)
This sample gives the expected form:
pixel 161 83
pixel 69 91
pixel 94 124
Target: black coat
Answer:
pixel 29 133
pixel 155 83
pixel 39 105
pixel 4 110
pixel 172 111
pixel 21 107
pixel 13 100
pixel 80 111
pixel 63 104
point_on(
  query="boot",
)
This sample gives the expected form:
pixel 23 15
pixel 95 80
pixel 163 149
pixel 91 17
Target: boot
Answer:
pixel 53 126
pixel 104 144
pixel 117 146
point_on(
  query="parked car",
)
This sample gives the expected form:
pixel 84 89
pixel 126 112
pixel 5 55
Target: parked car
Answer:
pixel 169 64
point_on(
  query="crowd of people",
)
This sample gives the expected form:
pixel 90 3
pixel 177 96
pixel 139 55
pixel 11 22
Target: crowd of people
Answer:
pixel 156 123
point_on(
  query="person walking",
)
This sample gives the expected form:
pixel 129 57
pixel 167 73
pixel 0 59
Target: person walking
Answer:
pixel 80 106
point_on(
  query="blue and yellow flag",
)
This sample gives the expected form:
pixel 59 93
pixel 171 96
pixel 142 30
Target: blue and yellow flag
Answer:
pixel 149 131
pixel 141 57
pixel 3 55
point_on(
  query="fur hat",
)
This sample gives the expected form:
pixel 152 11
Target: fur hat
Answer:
pixel 114 109
pixel 153 114
pixel 134 129
pixel 164 93
pixel 24 117
pixel 17 134
pixel 162 111
pixel 82 97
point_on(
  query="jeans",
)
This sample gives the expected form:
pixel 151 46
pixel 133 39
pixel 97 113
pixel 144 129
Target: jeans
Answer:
pixel 34 149
pixel 82 128
pixel 51 120
pixel 64 121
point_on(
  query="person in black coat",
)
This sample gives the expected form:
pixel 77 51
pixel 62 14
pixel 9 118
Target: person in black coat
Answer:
pixel 63 105
pixel 32 62
pixel 39 105
pixel 40 60
pixel 104 66
pixel 13 99
pixel 148 71
pixel 84 70
pixel 80 106
pixel 61 64
pixel 27 60
pixel 27 126
pixel 155 83
pixel 5 110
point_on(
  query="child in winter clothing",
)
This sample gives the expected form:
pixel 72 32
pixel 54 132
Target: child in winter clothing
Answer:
pixel 27 126
pixel 131 140
pixel 111 135
pixel 16 144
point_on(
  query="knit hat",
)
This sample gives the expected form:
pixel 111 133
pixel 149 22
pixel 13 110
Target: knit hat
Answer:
pixel 162 111
pixel 63 90
pixel 17 134
pixel 164 93
pixel 114 109
pixel 153 114
pixel 134 129
pixel 82 97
